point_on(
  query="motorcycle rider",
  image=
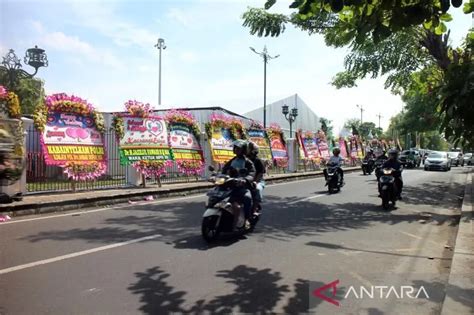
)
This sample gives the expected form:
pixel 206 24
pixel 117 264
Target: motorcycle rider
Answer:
pixel 394 163
pixel 370 157
pixel 258 182
pixel 233 168
pixel 336 161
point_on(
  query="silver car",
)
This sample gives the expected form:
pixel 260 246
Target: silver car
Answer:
pixel 468 159
pixel 438 161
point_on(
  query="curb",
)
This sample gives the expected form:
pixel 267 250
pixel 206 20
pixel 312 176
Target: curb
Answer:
pixel 16 210
pixel 459 297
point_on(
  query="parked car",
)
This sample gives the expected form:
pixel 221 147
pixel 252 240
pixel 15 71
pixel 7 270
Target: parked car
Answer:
pixel 456 158
pixel 468 159
pixel 410 158
pixel 438 161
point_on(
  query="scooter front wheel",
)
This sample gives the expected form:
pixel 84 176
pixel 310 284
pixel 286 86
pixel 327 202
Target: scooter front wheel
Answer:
pixel 209 229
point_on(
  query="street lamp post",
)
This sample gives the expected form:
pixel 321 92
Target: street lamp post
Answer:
pixel 265 57
pixel 290 116
pixel 161 46
pixel 361 111
pixel 379 116
pixel 11 65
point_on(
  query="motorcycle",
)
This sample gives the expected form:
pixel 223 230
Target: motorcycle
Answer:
pixel 368 166
pixel 388 189
pixel 378 167
pixel 333 180
pixel 221 215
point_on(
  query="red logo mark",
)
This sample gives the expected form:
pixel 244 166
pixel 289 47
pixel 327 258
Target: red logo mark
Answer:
pixel 333 285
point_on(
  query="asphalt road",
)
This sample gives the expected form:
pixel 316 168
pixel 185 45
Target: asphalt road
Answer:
pixel 150 258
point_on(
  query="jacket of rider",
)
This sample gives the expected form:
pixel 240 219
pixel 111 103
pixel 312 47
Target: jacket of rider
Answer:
pixel 248 165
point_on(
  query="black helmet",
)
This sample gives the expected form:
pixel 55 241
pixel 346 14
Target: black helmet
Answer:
pixel 241 144
pixel 393 152
pixel 252 148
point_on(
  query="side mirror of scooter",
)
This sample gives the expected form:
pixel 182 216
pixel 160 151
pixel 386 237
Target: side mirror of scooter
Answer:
pixel 211 168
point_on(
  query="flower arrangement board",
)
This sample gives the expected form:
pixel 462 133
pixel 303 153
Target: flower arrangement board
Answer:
pixel 310 146
pixel 72 137
pixel 183 142
pixel 259 137
pixel 323 145
pixel 11 126
pixel 278 145
pixel 143 139
pixel 343 148
pixel 221 144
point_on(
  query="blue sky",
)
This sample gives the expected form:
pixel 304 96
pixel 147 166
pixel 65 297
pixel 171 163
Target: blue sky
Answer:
pixel 103 51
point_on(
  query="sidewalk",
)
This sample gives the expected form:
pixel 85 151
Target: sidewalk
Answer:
pixel 459 297
pixel 37 204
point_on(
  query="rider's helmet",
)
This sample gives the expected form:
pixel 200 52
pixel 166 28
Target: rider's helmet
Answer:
pixel 240 146
pixel 336 151
pixel 252 149
pixel 393 153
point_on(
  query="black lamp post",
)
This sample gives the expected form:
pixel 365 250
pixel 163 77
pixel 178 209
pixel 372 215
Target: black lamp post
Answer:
pixel 265 57
pixel 11 65
pixel 290 116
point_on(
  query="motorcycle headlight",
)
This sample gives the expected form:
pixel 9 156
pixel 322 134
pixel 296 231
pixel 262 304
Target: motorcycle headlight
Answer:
pixel 219 181
pixel 387 172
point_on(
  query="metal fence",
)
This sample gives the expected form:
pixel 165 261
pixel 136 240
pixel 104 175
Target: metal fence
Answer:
pixel 46 178
pixel 41 178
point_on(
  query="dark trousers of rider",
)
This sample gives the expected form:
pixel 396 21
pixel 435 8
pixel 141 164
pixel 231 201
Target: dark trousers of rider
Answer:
pixel 341 172
pixel 243 195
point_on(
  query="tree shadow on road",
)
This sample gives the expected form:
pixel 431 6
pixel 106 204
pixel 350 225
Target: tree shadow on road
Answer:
pixel 282 219
pixel 435 194
pixel 156 295
pixel 179 224
pixel 438 291
pixel 256 291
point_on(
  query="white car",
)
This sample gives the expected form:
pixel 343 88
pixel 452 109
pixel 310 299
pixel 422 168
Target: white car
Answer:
pixel 438 161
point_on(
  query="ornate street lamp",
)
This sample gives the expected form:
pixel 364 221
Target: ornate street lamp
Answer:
pixel 11 65
pixel 290 116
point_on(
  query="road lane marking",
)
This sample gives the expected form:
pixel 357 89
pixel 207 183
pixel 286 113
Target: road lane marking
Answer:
pixel 418 237
pixel 144 203
pixel 412 235
pixel 141 204
pixel 361 279
pixel 76 254
pixel 306 199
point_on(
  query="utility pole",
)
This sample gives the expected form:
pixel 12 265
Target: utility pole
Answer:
pixel 379 116
pixel 361 111
pixel 160 45
pixel 264 54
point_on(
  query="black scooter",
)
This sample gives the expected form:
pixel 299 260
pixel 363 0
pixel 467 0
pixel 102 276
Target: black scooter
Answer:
pixel 368 166
pixel 333 180
pixel 388 189
pixel 221 215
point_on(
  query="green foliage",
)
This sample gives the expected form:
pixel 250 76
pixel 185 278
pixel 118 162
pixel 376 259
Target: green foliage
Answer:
pixel 326 127
pixel 30 92
pixel 407 41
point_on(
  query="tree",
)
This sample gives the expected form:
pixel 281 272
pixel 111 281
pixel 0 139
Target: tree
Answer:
pixel 354 21
pixel 326 127
pixel 390 38
pixel 352 124
pixel 30 92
